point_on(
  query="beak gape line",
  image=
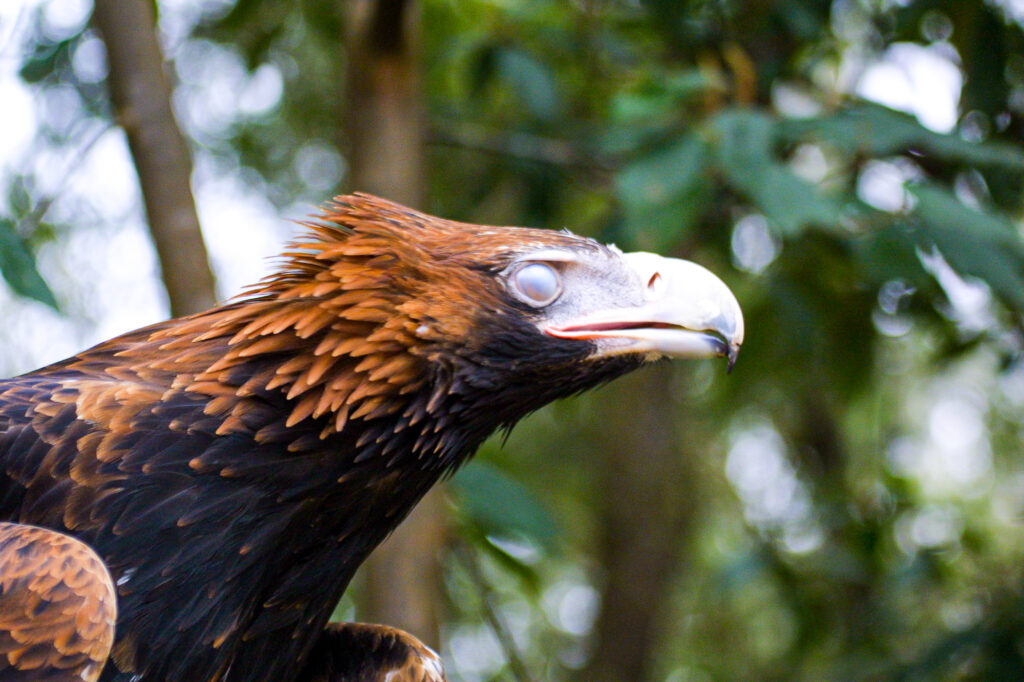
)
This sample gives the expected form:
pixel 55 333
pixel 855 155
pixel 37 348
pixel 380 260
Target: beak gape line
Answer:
pixel 688 312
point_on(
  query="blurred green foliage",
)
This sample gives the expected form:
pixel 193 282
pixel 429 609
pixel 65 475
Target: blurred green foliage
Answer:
pixel 17 261
pixel 859 481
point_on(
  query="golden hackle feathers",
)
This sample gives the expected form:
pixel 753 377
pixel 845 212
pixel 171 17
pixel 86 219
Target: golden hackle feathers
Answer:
pixel 357 308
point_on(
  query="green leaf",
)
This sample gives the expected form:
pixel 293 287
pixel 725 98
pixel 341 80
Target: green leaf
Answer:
pixel 482 68
pixel 501 505
pixel 662 175
pixel 890 252
pixel 18 198
pixel 660 95
pixel 976 243
pixel 48 59
pixel 532 80
pixel 660 193
pixel 875 131
pixel 744 146
pixel 528 575
pixel 742 570
pixel 18 266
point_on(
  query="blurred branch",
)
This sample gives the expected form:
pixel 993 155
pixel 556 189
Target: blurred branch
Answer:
pixel 467 558
pixel 141 97
pixel 384 122
pixel 516 145
pixel 29 223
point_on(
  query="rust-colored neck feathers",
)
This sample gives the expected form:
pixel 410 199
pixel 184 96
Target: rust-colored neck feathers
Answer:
pixel 360 312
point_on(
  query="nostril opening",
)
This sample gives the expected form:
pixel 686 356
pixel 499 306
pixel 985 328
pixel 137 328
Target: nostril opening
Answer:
pixel 655 287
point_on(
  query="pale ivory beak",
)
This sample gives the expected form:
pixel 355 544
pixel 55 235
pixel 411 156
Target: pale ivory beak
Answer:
pixel 687 312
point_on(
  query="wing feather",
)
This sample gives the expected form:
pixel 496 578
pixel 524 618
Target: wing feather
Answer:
pixel 371 653
pixel 57 607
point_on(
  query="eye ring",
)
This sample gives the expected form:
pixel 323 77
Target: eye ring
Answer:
pixel 535 283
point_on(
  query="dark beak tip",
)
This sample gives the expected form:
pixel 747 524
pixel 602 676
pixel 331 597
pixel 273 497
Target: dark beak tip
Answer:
pixel 732 354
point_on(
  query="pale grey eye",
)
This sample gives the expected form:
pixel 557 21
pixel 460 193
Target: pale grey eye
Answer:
pixel 537 283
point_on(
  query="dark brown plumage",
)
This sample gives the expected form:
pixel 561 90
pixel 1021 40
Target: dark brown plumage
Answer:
pixel 371 653
pixel 232 469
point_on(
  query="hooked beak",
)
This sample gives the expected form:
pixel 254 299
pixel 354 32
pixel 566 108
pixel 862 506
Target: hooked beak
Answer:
pixel 687 312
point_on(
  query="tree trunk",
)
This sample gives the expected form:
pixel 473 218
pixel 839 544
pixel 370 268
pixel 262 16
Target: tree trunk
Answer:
pixel 402 578
pixel 141 97
pixel 384 142
pixel 384 125
pixel 650 498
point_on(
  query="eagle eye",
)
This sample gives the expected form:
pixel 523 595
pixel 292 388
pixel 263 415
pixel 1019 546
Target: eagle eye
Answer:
pixel 537 283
